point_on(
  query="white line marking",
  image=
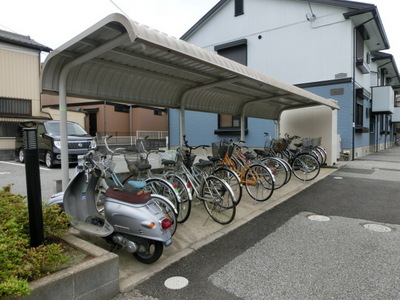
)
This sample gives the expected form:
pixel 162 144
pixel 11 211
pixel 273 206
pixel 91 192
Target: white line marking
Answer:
pixel 21 165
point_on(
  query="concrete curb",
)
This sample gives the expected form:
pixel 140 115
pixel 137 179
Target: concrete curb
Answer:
pixel 93 279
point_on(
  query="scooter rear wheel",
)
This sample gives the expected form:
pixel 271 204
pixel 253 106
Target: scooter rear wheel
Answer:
pixel 152 252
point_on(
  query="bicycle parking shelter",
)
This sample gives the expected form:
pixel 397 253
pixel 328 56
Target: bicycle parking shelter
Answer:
pixel 121 60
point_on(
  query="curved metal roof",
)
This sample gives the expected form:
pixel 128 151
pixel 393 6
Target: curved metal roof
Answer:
pixel 122 60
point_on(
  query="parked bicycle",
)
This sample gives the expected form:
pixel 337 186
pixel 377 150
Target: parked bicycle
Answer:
pixel 305 166
pixel 216 195
pixel 256 177
pixel 140 160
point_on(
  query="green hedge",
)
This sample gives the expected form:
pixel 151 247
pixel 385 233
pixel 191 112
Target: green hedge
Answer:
pixel 20 263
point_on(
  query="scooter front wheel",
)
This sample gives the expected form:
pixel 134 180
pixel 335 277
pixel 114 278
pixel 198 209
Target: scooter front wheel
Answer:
pixel 149 252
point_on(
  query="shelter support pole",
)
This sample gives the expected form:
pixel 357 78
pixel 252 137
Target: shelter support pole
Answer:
pixel 277 127
pixel 242 127
pixel 182 124
pixel 63 95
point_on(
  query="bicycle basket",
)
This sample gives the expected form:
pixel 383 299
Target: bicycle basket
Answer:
pixel 183 157
pixel 215 149
pixel 169 155
pixel 306 142
pixel 279 145
pixel 133 160
pixel 225 148
pixel 316 142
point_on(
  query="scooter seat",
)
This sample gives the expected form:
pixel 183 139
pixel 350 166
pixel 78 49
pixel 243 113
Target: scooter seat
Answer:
pixel 129 196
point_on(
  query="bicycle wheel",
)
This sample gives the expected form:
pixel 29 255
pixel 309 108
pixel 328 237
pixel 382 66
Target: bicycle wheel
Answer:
pixel 185 203
pixel 218 199
pixel 259 182
pixel 170 212
pixel 288 168
pixel 231 178
pixel 323 153
pixel 278 169
pixel 164 188
pixel 305 167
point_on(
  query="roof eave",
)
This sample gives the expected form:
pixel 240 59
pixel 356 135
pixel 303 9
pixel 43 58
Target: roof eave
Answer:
pixel 204 19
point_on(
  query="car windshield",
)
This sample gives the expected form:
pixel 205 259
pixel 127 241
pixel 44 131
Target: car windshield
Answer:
pixel 72 128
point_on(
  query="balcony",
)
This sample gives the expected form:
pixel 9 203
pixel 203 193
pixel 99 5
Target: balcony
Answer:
pixel 383 99
pixel 362 66
pixel 396 115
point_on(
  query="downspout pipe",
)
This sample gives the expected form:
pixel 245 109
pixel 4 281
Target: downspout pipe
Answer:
pixel 354 84
pixel 63 95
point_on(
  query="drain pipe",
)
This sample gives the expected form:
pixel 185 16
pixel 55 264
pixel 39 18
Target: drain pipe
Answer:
pixel 63 95
pixel 354 84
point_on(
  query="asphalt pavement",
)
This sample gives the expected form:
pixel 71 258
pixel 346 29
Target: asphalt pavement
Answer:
pixel 334 238
pixel 337 238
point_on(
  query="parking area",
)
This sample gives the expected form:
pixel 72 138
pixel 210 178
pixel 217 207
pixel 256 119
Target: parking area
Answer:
pixel 193 234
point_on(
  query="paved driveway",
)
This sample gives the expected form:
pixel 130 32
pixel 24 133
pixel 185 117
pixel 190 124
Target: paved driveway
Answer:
pixel 336 239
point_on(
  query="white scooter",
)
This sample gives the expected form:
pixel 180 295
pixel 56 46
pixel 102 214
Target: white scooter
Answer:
pixel 133 219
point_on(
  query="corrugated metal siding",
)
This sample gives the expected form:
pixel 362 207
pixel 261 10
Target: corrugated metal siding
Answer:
pixel 19 75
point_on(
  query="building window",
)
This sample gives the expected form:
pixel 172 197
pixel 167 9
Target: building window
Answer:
pixel 384 124
pixel 372 124
pixel 359 113
pixel 15 107
pixel 236 51
pixel 228 121
pixel 239 8
pixel 9 129
pixel 121 108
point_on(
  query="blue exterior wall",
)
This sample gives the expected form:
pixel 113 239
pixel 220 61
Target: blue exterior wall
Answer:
pixel 200 126
pixel 345 114
pixel 200 129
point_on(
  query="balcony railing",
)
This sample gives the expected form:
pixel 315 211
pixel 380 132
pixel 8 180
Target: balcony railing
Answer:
pixel 382 99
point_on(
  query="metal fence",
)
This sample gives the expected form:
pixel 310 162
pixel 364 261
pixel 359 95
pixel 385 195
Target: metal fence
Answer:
pixel 123 138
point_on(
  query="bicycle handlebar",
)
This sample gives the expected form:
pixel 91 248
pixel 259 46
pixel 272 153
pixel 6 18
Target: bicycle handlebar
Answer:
pixel 193 147
pixel 116 151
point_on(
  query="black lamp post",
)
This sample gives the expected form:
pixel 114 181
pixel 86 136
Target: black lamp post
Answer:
pixel 33 186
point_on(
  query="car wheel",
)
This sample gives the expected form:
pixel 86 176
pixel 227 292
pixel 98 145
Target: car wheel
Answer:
pixel 49 159
pixel 21 157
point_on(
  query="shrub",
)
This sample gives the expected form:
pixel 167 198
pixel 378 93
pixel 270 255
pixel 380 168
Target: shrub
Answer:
pixel 20 263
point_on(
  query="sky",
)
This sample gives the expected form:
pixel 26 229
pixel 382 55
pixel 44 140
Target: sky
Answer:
pixel 54 22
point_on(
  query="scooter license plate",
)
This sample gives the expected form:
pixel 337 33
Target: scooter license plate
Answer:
pixel 168 243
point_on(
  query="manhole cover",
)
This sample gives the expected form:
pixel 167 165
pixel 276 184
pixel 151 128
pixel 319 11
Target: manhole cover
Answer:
pixel 377 227
pixel 319 218
pixel 176 282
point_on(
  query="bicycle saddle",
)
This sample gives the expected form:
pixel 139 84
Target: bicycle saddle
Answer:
pixel 168 162
pixel 213 158
pixel 249 155
pixel 261 152
pixel 204 163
